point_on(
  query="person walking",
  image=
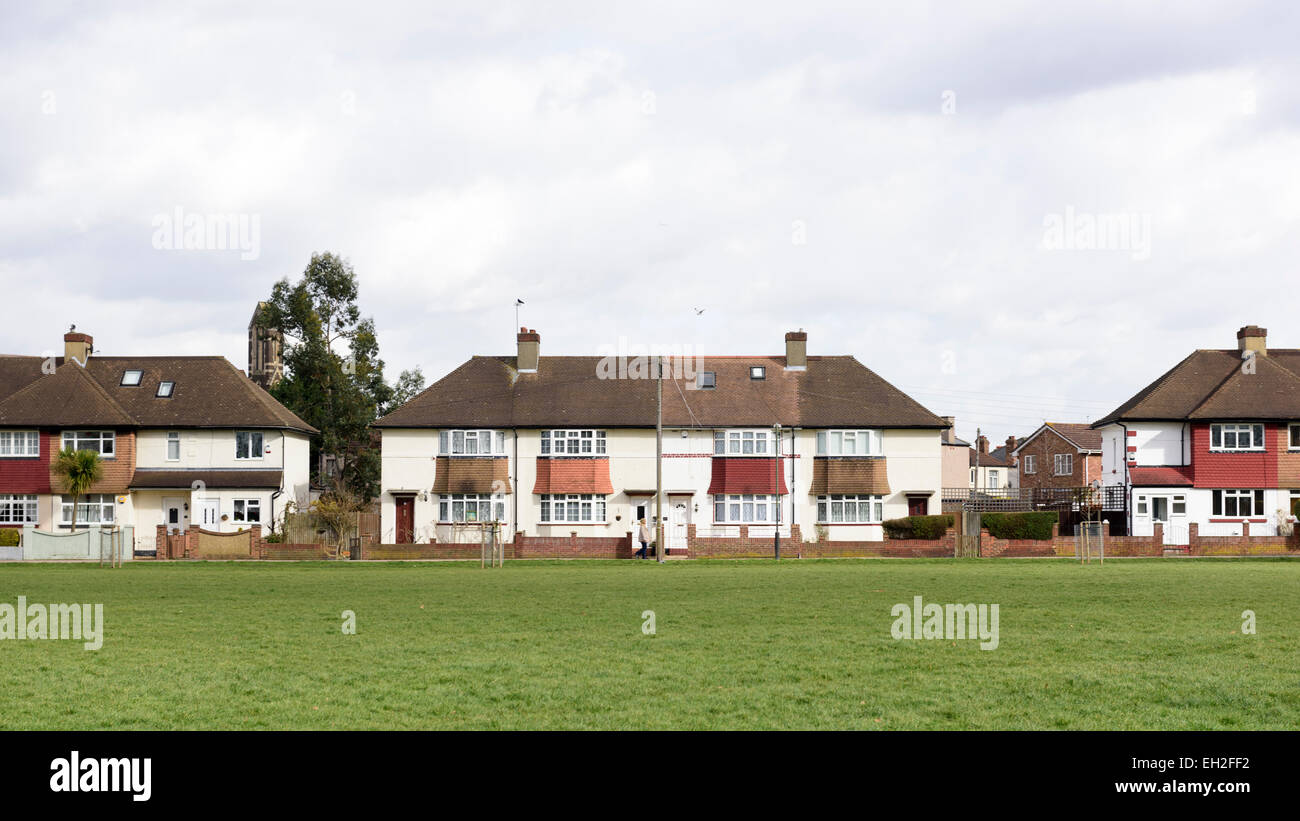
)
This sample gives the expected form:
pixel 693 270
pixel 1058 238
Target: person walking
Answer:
pixel 643 536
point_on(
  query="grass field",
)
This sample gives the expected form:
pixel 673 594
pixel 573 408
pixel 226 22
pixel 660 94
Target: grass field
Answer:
pixel 739 644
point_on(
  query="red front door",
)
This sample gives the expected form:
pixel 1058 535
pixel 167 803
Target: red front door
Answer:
pixel 405 519
pixel 917 505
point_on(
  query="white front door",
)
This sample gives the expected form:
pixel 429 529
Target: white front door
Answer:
pixel 209 514
pixel 173 514
pixel 680 517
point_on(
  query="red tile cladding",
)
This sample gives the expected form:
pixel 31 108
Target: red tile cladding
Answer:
pixel 747 474
pixel 573 475
pixel 29 474
pixel 1161 476
pixel 1254 469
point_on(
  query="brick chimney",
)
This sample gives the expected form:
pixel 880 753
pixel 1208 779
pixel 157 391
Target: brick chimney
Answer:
pixel 1011 445
pixel 78 346
pixel 530 350
pixel 796 351
pixel 1253 338
pixel 950 435
pixel 982 444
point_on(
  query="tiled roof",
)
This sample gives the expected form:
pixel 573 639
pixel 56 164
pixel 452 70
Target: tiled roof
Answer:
pixel 572 475
pixel 208 392
pixel 1083 436
pixel 850 475
pixel 1164 476
pixel 145 478
pixel 1211 384
pixel 746 474
pixel 988 460
pixel 568 391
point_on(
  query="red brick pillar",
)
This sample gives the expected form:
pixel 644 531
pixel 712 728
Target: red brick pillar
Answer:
pixel 160 543
pixel 690 538
pixel 1193 535
pixel 1158 536
pixel 1245 528
pixel 256 548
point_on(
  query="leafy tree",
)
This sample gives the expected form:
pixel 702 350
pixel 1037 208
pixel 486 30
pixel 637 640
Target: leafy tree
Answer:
pixel 78 471
pixel 340 394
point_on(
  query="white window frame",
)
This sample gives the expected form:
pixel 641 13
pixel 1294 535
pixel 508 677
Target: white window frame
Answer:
pixel 993 483
pixel 745 509
pixel 245 506
pixel 838 504
pixel 835 442
pixel 454 507
pixel 173 438
pixel 588 508
pixel 131 378
pixel 249 456
pixel 1059 459
pixel 744 442
pixel 1031 463
pixel 171 389
pixel 76 439
pixel 1220 431
pixel 578 442
pixel 102 503
pixel 472 442
pixel 1293 436
pixel 19 509
pixel 14 441
pixel 1221 499
pixel 706 380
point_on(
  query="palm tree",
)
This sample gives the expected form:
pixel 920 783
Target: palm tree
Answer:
pixel 79 470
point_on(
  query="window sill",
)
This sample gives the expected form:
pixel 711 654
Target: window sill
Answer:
pixel 849 524
pixel 573 524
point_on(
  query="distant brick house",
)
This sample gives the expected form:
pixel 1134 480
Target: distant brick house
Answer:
pixel 1059 455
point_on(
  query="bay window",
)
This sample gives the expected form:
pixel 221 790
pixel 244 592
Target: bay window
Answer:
pixel 471 507
pixel 573 443
pixel 573 508
pixel 744 508
pixel 850 509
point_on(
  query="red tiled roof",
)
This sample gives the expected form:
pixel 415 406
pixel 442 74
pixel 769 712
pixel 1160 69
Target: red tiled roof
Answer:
pixel 746 474
pixel 572 475
pixel 1163 476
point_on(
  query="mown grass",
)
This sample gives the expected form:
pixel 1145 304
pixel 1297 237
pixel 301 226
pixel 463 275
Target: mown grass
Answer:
pixel 739 644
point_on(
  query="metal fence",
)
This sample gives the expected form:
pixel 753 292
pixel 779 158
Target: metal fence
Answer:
pixel 1009 499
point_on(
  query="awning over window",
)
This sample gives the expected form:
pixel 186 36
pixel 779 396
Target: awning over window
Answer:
pixel 747 474
pixel 471 474
pixel 573 475
pixel 853 475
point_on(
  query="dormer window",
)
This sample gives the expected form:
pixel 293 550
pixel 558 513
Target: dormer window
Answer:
pixel 757 372
pixel 707 380
pixel 131 378
pixel 165 389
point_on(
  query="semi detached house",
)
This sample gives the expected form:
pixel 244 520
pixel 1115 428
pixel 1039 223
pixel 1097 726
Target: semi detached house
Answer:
pixel 1213 443
pixel 183 439
pixel 817 446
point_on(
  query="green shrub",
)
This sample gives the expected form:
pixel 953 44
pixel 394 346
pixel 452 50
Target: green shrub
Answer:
pixel 918 527
pixel 274 538
pixel 1037 525
pixel 9 537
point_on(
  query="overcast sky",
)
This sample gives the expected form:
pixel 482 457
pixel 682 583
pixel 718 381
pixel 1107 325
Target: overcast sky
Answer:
pixel 911 183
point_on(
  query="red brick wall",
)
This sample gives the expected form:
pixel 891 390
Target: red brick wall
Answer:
pixel 1044 448
pixel 794 546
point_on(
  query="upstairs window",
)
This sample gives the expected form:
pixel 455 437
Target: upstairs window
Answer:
pixel 1031 464
pixel 849 443
pixel 1294 437
pixel 1063 464
pixel 102 442
pixel 19 443
pixel 707 380
pixel 472 443
pixel 131 378
pixel 742 443
pixel 1236 437
pixel 173 446
pixel 573 443
pixel 248 444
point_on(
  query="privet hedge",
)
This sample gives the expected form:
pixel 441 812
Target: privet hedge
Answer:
pixel 1036 525
pixel 918 527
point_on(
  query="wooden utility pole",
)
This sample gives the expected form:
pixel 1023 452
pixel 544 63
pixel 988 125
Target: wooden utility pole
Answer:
pixel 660 547
pixel 776 491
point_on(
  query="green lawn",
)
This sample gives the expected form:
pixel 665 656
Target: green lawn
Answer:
pixel 740 644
